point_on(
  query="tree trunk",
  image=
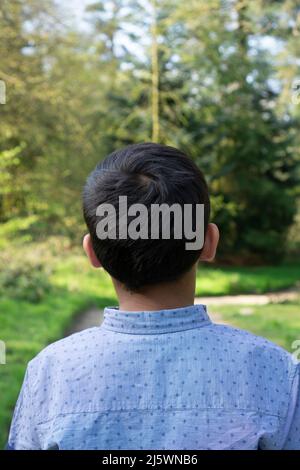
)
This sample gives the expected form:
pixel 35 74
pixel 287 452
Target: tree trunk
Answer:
pixel 154 75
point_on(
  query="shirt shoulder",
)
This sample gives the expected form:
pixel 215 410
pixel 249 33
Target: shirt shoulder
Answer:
pixel 248 339
pixel 75 348
pixel 262 356
pixel 262 369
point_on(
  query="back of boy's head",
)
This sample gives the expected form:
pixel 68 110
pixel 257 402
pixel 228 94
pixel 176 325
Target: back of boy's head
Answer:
pixel 148 174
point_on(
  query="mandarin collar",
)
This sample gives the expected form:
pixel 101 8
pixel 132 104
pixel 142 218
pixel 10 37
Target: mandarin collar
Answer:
pixel 155 322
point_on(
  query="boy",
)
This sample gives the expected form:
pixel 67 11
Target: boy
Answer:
pixel 157 374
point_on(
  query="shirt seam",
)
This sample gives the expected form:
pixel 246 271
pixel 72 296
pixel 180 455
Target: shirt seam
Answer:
pixel 291 408
pixel 122 410
pixel 145 333
pixel 36 445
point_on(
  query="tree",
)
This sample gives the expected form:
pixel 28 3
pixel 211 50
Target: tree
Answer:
pixel 198 75
pixel 240 140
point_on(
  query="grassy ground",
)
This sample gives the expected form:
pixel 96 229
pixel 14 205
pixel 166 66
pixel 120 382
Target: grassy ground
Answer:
pixel 243 280
pixel 26 326
pixel 279 323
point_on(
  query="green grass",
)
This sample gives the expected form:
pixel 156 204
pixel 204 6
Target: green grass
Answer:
pixel 245 280
pixel 27 327
pixel 279 323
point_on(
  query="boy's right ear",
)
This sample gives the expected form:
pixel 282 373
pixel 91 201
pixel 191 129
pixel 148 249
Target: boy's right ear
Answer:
pixel 89 250
pixel 210 244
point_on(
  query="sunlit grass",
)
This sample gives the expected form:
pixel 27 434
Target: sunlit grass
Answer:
pixel 245 280
pixel 279 323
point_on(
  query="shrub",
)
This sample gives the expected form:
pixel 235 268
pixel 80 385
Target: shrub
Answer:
pixel 26 270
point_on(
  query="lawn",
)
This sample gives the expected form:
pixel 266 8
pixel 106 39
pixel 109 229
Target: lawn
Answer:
pixel 278 322
pixel 27 326
pixel 213 280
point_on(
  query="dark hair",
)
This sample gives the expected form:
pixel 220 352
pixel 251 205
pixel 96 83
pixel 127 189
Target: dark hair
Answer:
pixel 146 173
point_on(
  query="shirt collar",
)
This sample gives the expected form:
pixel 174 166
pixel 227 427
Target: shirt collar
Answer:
pixel 155 322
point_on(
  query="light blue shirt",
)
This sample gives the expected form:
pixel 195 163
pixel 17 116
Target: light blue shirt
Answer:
pixel 169 379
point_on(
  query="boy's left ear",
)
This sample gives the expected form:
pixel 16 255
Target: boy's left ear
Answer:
pixel 89 250
pixel 209 249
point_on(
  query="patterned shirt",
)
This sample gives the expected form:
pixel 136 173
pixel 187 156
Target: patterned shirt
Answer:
pixel 168 379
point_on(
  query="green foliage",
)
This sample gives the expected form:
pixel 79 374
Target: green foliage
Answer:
pixel 24 280
pixel 221 94
pixel 9 159
pixel 18 229
pixel 28 268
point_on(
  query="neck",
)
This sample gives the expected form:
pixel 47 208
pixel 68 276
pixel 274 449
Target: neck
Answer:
pixel 171 295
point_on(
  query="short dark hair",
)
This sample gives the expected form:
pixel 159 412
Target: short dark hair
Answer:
pixel 146 173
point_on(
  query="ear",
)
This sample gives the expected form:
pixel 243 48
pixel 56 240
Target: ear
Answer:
pixel 89 250
pixel 210 244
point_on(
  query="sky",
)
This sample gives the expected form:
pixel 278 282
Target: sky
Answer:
pixel 74 11
pixel 75 8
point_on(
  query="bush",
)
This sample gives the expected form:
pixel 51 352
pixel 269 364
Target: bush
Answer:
pixel 24 280
pixel 27 269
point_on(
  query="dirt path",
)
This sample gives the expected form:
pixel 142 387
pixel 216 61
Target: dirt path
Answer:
pixel 251 299
pixel 86 319
pixel 94 316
